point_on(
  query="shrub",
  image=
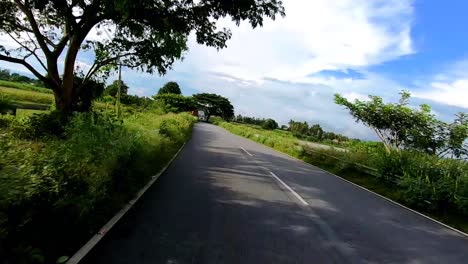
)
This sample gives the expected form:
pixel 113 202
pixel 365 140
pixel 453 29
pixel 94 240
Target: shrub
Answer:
pixel 54 192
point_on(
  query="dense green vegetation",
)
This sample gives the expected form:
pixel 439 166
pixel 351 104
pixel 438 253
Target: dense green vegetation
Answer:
pixel 401 127
pixel 61 181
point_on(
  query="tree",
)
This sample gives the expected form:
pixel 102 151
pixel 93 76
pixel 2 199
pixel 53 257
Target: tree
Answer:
pixel 298 128
pixel 270 124
pixel 316 131
pixel 213 104
pixel 149 35
pixel 176 102
pixel 113 89
pixel 170 88
pixel 401 127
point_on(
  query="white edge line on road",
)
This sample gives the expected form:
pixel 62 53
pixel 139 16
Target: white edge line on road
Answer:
pixel 379 195
pixel 84 250
pixel 246 152
pixel 365 189
pixel 290 189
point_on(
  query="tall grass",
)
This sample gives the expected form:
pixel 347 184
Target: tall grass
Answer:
pixel 24 86
pixel 27 95
pixel 55 192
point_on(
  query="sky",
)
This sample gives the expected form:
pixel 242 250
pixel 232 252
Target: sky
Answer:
pixel 291 68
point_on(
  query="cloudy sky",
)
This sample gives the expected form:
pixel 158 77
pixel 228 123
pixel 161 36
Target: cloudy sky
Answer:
pixel 290 68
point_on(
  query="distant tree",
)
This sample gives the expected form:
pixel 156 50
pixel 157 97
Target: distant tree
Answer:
pixel 170 88
pixel 114 87
pixel 284 127
pixel 298 128
pixel 4 75
pixel 176 102
pixel 270 124
pixel 149 35
pixel 213 104
pixel 316 131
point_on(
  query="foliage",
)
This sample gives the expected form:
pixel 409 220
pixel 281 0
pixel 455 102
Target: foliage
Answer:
pixel 213 104
pixel 176 102
pixel 88 91
pixel 401 127
pixel 257 121
pixel 135 100
pixel 56 192
pixel 170 88
pixel 149 35
pixel 270 124
pixel 113 89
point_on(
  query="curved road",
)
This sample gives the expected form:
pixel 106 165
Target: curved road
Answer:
pixel 226 199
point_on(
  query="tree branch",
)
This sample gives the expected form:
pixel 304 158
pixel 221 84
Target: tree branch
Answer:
pixel 27 65
pixel 34 26
pixel 33 53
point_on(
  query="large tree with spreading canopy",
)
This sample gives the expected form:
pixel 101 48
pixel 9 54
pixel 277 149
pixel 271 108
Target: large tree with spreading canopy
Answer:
pixel 148 35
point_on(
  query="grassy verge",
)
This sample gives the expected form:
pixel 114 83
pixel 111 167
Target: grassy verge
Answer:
pixel 25 87
pixel 57 191
pixel 16 94
pixel 438 188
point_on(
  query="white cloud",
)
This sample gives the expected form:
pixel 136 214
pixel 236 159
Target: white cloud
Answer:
pixel 314 36
pixel 448 87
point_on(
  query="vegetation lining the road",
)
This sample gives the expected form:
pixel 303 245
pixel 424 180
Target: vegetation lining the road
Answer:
pixel 433 186
pixel 60 182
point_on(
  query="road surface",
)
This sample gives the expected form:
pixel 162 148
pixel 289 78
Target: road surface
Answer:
pixel 226 199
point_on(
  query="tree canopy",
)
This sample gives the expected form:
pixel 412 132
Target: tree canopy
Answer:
pixel 213 104
pixel 149 35
pixel 170 88
pixel 402 127
pixel 270 124
pixel 113 89
pixel 176 102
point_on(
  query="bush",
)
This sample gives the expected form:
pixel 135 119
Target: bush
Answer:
pixel 55 192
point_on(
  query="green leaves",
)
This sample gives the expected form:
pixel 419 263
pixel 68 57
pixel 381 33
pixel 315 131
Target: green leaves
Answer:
pixel 170 88
pixel 214 104
pixel 401 127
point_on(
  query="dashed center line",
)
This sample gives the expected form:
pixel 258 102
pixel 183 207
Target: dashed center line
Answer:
pixel 290 189
pixel 246 152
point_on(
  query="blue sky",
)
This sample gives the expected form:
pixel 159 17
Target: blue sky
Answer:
pixel 290 68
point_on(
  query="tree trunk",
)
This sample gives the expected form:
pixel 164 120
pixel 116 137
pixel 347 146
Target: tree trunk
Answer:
pixel 66 93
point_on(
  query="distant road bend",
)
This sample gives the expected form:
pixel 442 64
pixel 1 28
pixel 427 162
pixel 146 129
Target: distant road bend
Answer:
pixel 226 199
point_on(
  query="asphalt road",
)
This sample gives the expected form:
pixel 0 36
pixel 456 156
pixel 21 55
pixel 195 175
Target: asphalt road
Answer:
pixel 226 199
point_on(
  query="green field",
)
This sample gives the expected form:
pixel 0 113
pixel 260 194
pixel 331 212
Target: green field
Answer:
pixel 24 86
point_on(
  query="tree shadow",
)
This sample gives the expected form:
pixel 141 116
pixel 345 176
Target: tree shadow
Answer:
pixel 215 204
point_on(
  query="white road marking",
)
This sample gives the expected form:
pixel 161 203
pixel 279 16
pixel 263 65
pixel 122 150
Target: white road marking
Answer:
pixel 290 189
pixel 246 152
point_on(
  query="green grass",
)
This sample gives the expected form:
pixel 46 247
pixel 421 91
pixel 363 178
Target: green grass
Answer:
pixel 345 165
pixel 57 191
pixel 30 96
pixel 25 86
pixel 24 113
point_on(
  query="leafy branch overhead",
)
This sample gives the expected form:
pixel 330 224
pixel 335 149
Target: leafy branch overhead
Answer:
pixel 148 35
